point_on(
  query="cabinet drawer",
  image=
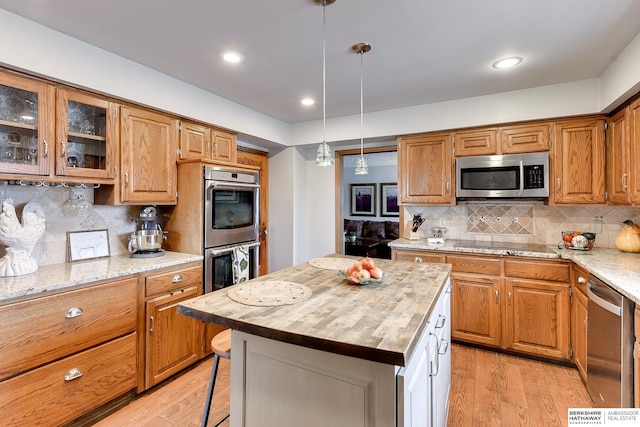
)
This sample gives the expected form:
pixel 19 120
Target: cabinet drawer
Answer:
pixel 172 280
pixel 36 332
pixel 419 256
pixel 529 269
pixel 45 397
pixel 471 264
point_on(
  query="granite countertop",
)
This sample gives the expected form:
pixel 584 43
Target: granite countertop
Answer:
pixel 380 322
pixel 620 270
pixel 58 277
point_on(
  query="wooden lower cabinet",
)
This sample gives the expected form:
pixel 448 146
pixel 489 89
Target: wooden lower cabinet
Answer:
pixel 513 303
pixel 579 319
pixel 80 354
pixel 475 309
pixel 537 318
pixel 172 341
pixel 62 391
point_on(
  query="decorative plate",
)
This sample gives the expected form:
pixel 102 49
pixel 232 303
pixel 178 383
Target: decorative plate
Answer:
pixel 343 275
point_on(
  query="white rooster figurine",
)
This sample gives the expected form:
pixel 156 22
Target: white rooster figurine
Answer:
pixel 20 238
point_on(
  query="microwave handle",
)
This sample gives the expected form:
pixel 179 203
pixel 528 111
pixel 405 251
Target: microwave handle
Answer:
pixel 521 178
pixel 226 250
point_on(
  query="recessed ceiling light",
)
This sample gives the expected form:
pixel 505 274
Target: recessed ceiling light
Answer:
pixel 307 101
pixel 231 56
pixel 509 62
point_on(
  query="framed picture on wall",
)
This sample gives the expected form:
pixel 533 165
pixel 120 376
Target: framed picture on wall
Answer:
pixel 363 199
pixel 389 199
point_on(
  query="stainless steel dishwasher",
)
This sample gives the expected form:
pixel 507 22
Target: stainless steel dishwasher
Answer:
pixel 609 346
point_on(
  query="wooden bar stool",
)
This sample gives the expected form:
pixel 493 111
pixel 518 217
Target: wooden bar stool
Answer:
pixel 221 346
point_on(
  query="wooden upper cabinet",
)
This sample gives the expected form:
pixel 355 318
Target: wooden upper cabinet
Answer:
pixel 86 135
pixel 525 138
pixel 425 173
pixel 195 141
pixel 27 125
pixel 224 146
pixel 618 152
pixel 203 142
pixel 480 142
pixel 578 159
pixel 634 139
pixel 149 143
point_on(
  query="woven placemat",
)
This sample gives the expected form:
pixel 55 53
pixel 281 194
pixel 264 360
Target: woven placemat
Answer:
pixel 331 263
pixel 269 293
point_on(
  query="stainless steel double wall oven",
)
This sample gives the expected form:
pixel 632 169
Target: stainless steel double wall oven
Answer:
pixel 231 219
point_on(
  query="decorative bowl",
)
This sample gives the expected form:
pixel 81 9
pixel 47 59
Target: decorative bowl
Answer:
pixel 577 240
pixel 343 275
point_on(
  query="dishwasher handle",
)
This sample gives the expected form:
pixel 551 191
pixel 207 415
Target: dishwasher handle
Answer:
pixel 592 293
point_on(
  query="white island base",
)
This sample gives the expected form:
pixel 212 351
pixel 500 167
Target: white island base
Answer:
pixel 277 384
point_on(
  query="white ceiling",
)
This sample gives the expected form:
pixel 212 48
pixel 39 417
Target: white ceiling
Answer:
pixel 423 51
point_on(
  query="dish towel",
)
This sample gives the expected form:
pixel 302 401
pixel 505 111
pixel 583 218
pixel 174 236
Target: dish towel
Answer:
pixel 240 264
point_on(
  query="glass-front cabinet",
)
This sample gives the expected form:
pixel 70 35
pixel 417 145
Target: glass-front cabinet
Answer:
pixel 26 125
pixel 54 132
pixel 85 135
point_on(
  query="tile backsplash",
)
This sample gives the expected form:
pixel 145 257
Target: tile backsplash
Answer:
pixel 62 216
pixel 521 222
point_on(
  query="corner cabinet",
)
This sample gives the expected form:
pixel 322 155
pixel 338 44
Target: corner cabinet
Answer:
pixel 172 341
pixel 148 144
pixel 205 143
pixel 425 169
pixel 578 162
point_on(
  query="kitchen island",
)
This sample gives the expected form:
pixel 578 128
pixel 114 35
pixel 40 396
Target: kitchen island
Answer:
pixel 348 355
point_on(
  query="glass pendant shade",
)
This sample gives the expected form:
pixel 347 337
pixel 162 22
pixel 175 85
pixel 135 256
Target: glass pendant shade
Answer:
pixel 361 167
pixel 324 157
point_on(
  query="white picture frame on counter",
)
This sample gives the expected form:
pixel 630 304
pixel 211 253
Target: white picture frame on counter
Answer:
pixel 83 245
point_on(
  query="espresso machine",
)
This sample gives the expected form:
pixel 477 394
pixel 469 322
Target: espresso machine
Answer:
pixel 146 241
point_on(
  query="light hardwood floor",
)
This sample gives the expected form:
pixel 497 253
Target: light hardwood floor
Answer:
pixel 487 389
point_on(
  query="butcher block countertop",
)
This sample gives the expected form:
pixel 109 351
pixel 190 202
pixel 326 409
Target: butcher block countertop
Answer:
pixel 380 322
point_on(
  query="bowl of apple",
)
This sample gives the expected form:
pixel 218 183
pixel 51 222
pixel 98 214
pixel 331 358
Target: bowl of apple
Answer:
pixel 362 272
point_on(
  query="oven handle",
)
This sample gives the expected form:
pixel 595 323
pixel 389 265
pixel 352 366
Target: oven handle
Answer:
pixel 217 252
pixel 232 184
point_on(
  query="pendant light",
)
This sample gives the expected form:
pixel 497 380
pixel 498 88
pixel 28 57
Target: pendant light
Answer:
pixel 361 166
pixel 324 157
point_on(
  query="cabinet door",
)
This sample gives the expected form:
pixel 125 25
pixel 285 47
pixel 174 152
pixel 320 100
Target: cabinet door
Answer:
pixel 480 142
pixel 173 341
pixel 475 309
pixel 195 141
pixel 148 145
pixel 537 318
pixel 525 139
pixel 26 126
pixel 224 146
pixel 425 169
pixel 579 319
pixel 86 135
pixel 618 167
pixel 578 162
pixel 634 140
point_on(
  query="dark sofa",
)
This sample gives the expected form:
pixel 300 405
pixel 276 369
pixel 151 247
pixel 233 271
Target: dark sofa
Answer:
pixel 368 232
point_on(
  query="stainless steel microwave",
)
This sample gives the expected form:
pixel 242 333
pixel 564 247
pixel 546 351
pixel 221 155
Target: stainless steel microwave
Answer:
pixel 503 176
